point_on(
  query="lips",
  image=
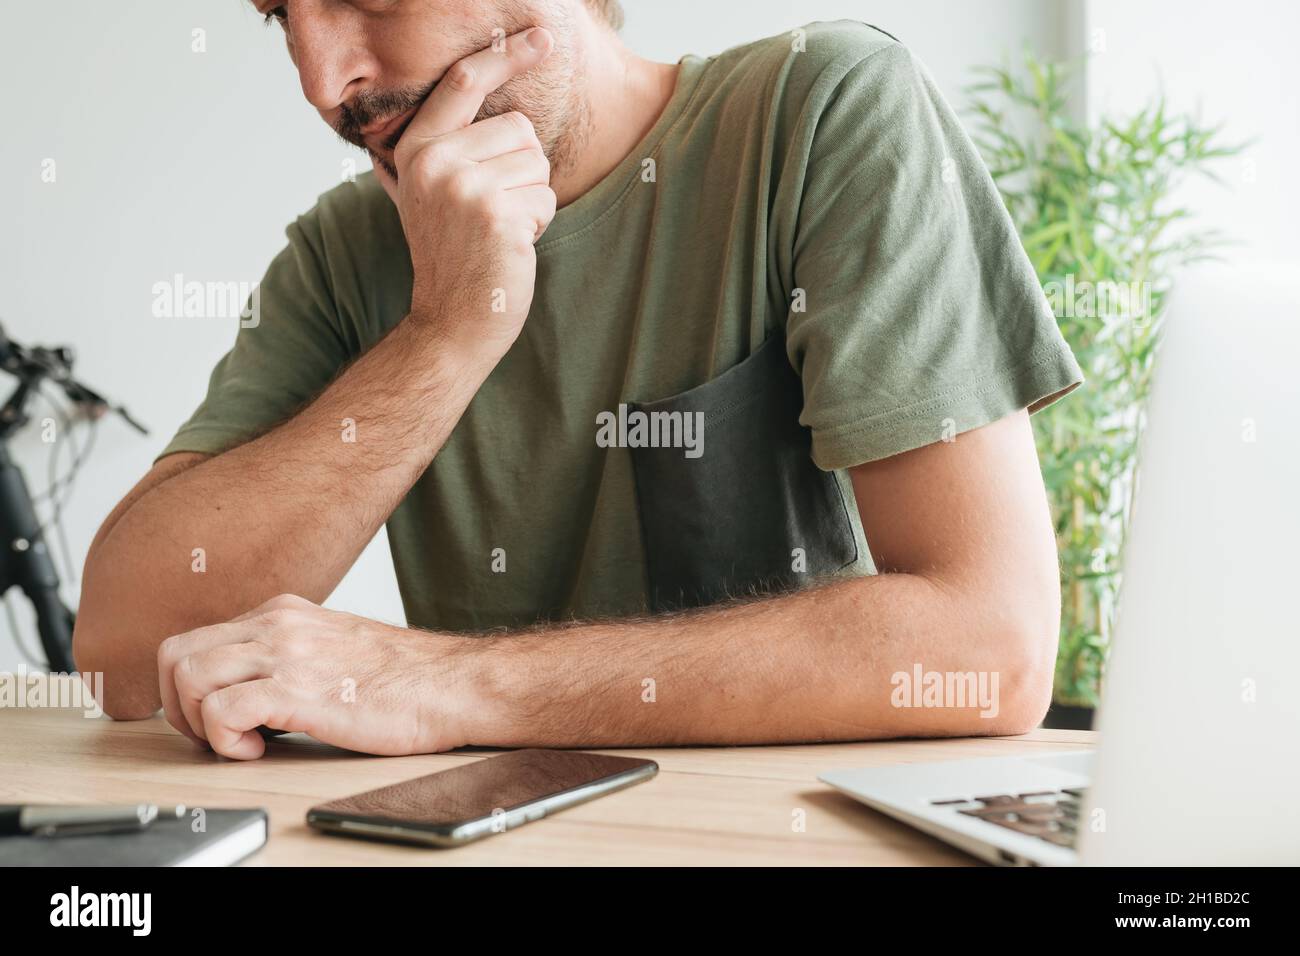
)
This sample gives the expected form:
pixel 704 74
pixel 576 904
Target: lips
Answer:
pixel 382 132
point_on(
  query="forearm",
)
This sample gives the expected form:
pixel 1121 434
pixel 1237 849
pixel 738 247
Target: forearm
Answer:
pixel 288 512
pixel 818 665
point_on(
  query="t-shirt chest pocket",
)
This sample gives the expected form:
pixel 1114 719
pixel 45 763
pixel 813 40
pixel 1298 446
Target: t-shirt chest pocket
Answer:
pixel 742 509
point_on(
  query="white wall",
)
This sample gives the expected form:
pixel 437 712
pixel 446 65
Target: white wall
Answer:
pixel 1234 64
pixel 951 36
pixel 170 161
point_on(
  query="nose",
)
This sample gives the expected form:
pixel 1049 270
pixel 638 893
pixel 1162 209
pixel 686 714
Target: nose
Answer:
pixel 330 54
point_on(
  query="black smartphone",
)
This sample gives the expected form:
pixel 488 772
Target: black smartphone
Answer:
pixel 457 806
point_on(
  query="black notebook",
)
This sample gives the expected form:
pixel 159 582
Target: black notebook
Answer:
pixel 228 837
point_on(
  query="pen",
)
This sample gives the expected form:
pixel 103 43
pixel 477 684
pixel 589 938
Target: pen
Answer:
pixel 64 820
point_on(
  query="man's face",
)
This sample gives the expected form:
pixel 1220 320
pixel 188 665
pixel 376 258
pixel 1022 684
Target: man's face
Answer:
pixel 367 65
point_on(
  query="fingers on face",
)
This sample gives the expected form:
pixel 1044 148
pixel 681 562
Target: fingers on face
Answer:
pixel 459 96
pixel 497 136
pixel 474 159
pixel 524 167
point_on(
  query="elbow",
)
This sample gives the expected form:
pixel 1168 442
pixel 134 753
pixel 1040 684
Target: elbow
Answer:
pixel 128 687
pixel 1025 677
pixel 1024 701
pixel 120 706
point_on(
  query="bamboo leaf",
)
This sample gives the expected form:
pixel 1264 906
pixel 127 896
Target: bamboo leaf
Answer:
pixel 1093 203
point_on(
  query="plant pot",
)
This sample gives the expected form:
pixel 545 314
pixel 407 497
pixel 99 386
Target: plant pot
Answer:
pixel 1069 717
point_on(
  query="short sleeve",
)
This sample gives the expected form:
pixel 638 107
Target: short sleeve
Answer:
pixel 921 314
pixel 286 352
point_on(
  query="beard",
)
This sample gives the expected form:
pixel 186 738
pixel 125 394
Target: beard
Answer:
pixel 552 96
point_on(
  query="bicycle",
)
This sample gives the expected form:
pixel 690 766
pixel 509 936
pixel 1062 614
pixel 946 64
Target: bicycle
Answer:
pixel 25 558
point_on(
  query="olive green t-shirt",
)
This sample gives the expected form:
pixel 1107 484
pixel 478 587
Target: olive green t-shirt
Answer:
pixel 812 189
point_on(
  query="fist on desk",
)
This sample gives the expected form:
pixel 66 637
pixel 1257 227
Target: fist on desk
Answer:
pixel 294 666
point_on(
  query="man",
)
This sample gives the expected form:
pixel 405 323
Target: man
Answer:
pixel 640 459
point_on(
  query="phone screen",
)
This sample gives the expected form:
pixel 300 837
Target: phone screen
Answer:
pixel 496 785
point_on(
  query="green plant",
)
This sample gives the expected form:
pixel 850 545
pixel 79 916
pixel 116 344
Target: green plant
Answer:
pixel 1094 207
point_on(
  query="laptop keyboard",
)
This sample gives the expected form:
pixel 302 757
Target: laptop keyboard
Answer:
pixel 1051 815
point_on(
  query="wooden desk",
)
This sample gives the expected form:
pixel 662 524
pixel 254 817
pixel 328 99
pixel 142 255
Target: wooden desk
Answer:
pixel 712 806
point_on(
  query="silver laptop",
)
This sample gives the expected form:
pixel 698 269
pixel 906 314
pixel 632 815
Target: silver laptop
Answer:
pixel 1198 760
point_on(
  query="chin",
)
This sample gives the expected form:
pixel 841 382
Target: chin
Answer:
pixel 383 161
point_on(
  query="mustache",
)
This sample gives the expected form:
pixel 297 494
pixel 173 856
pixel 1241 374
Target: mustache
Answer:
pixel 374 106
